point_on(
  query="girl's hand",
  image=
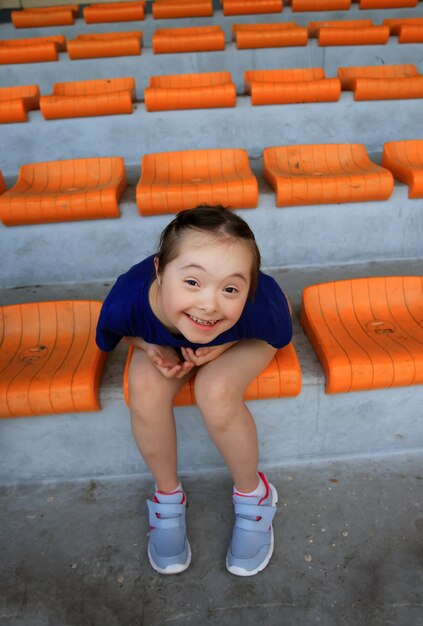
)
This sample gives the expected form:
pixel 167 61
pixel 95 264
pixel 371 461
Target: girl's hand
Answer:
pixel 204 355
pixel 168 361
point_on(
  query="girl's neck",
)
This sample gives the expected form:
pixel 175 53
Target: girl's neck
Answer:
pixel 155 305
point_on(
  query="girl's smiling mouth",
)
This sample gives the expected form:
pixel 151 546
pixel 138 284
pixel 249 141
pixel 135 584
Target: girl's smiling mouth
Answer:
pixel 203 323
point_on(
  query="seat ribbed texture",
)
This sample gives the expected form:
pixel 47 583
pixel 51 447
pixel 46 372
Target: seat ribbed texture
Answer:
pixel 314 27
pixel 60 191
pixel 173 181
pixel 191 39
pixel 407 29
pixel 165 9
pixel 384 82
pixel 34 50
pixel 16 101
pixel 280 379
pixel 291 86
pixel 405 160
pixel 367 332
pixel 97 45
pixel 325 174
pixel 190 91
pixel 279 35
pixel 45 16
pixel 320 5
pixel 108 96
pixel 249 7
pixel 387 4
pixel 114 12
pixel 355 33
pixel 49 361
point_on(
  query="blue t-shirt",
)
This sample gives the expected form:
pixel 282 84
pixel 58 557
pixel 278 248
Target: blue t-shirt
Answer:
pixel 127 312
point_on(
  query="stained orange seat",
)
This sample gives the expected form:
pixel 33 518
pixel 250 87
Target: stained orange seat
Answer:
pixel 320 5
pixel 249 7
pixel 315 27
pixel 367 332
pixel 396 24
pixel 280 379
pixel 85 98
pixel 105 45
pixel 191 39
pixel 61 191
pixel 49 361
pixel 164 9
pixel 405 160
pixel 15 102
pixel 173 181
pixel 411 34
pixel 325 174
pixel 190 91
pixel 382 82
pixel 34 50
pixel 291 86
pixel 387 4
pixel 356 32
pixel 269 35
pixel 2 184
pixel 114 12
pixel 45 16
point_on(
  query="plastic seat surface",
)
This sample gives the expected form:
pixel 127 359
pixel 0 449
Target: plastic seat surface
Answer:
pixel 269 35
pixel 98 45
pixel 16 101
pixel 108 96
pixel 410 33
pixel 113 12
pixel 395 24
pixel 405 160
pixel 190 91
pixel 165 9
pixel 173 181
pixel 291 86
pixel 61 191
pixel 315 26
pixel 387 4
pixel 348 75
pixel 367 332
pixel 45 16
pixel 190 39
pixel 354 36
pixel 250 7
pixel 320 5
pixel 49 361
pixel 33 50
pixel 280 379
pixel 325 174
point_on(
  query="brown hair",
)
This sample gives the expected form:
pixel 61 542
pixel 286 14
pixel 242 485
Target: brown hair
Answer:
pixel 212 219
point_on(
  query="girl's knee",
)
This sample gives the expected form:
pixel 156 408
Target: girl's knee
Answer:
pixel 216 396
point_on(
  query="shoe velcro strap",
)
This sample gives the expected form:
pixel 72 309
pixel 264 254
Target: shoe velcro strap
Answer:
pixel 265 515
pixel 164 522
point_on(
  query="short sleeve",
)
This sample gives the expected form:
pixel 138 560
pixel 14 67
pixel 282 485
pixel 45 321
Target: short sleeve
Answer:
pixel 274 322
pixel 111 327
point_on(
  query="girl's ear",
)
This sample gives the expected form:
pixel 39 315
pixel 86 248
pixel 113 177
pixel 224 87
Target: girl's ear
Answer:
pixel 156 267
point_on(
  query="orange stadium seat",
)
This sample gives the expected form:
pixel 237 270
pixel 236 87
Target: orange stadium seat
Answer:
pixel 98 45
pixel 249 7
pixel 320 5
pixel 387 4
pixel 15 102
pixel 367 332
pixel 405 160
pixel 190 91
pixel 114 12
pixel 280 379
pixel 407 29
pixel 49 360
pixel 34 50
pixel 269 35
pixel 350 33
pixel 165 9
pixel 2 184
pixel 62 191
pixel 291 86
pixel 314 27
pixel 382 82
pixel 85 98
pixel 173 181
pixel 325 174
pixel 191 39
pixel 46 16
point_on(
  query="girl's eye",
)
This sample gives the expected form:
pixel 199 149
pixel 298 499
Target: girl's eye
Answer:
pixel 191 282
pixel 231 290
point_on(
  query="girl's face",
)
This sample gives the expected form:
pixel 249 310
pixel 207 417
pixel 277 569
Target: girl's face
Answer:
pixel 202 292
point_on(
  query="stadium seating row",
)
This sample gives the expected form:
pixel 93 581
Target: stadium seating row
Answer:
pixel 80 189
pixel 208 38
pixel 115 96
pixel 366 332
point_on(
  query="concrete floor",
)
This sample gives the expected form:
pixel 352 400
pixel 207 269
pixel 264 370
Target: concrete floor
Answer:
pixel 348 552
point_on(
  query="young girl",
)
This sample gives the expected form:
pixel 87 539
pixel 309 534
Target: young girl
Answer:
pixel 201 307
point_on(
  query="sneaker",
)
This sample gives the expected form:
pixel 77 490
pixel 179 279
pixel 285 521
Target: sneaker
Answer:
pixel 169 551
pixel 252 539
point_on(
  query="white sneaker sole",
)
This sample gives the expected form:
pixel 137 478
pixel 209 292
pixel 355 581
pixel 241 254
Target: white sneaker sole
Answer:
pixel 176 568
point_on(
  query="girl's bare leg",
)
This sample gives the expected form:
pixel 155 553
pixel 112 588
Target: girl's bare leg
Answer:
pixel 151 398
pixel 219 392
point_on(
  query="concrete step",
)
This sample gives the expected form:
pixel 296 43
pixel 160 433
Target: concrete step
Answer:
pixel 312 426
pixel 347 551
pixel 100 250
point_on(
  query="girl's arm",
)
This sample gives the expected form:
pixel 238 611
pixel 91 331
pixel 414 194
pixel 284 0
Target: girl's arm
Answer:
pixel 204 355
pixel 164 358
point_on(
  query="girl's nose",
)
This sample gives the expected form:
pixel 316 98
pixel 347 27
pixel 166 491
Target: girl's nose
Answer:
pixel 208 303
